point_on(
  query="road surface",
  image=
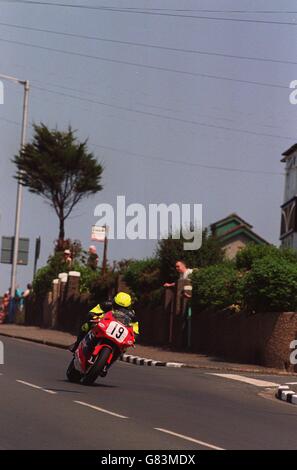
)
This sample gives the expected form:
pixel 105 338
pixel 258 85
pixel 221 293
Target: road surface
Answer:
pixel 136 407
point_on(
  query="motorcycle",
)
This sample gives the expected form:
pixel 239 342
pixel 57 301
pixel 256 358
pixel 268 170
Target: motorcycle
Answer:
pixel 109 338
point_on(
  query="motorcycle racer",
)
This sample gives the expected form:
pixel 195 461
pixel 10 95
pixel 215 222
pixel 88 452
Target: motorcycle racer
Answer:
pixel 121 306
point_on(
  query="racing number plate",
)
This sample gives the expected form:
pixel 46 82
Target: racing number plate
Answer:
pixel 117 331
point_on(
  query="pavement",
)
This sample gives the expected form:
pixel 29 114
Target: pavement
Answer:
pixel 136 407
pixel 201 361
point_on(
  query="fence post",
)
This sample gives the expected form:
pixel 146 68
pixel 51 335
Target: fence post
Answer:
pixel 73 284
pixel 55 302
pixel 169 301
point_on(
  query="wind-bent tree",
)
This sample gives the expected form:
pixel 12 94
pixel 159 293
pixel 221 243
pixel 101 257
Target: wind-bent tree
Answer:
pixel 56 166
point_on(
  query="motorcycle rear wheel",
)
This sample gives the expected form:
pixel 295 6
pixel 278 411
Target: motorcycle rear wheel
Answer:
pixel 73 375
pixel 97 367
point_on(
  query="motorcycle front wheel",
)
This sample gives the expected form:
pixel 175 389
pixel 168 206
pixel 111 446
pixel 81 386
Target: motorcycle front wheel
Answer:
pixel 97 367
pixel 73 375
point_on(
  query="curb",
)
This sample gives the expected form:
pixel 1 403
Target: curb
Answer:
pixel 285 394
pixel 141 361
pixel 35 340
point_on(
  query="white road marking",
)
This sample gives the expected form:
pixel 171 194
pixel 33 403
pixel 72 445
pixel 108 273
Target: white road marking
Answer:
pixel 174 364
pixel 248 380
pixel 191 439
pixel 291 383
pixel 37 387
pixel 101 409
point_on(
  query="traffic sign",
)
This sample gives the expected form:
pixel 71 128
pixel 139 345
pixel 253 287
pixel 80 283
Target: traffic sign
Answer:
pixel 7 250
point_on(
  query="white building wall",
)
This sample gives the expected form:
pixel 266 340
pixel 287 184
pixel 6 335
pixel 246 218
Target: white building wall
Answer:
pixel 290 241
pixel 291 177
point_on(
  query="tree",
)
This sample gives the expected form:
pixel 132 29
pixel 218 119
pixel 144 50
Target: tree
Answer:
pixel 59 168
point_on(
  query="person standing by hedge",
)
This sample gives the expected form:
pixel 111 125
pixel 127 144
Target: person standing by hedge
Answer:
pixel 185 308
pixel 67 258
pixel 183 271
pixel 93 258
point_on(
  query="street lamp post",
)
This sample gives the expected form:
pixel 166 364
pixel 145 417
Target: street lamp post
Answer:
pixel 25 84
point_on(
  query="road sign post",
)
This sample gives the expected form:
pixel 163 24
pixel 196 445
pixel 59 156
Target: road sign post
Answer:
pixel 37 253
pixel 100 234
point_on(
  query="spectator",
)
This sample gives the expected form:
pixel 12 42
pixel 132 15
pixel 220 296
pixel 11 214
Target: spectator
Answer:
pixel 26 303
pixel 186 294
pixel 28 291
pixel 4 307
pixel 67 258
pixel 5 300
pixel 15 302
pixel 93 258
pixel 19 306
pixel 183 271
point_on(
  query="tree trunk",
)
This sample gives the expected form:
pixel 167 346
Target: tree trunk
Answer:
pixel 61 229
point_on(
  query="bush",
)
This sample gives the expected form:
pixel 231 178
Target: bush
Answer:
pixel 102 286
pixel 288 254
pixel 252 252
pixel 143 278
pixel 87 276
pixel 90 281
pixel 44 277
pixel 271 285
pixel 216 287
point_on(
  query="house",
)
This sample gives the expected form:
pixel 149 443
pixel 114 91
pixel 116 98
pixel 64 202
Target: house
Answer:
pixel 234 233
pixel 288 235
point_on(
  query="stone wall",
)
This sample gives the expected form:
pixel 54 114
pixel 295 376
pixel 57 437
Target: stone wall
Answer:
pixel 262 338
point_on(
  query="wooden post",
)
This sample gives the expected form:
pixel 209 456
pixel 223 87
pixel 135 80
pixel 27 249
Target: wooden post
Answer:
pixel 56 292
pixel 169 305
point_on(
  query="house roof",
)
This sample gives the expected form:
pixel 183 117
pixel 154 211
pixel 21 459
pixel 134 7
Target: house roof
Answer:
pixel 288 153
pixel 241 227
pixel 232 216
pixel 242 230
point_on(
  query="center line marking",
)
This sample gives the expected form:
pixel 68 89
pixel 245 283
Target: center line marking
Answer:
pixel 191 439
pixel 37 387
pixel 101 409
pixel 248 380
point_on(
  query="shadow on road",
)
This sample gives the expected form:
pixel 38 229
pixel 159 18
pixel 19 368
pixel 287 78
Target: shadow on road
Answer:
pixel 82 387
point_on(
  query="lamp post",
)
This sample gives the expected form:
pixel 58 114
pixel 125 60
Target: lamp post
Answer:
pixel 25 84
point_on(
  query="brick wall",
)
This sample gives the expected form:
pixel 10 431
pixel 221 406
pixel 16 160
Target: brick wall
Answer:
pixel 262 339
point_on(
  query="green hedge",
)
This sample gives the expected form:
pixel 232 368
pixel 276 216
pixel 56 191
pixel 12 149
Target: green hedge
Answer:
pixel 217 287
pixel 271 285
pixel 252 252
pixel 143 278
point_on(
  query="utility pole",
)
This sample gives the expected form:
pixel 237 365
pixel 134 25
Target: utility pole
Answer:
pixel 25 84
pixel 104 262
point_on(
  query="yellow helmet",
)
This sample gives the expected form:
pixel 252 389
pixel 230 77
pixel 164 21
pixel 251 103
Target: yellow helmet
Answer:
pixel 123 300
